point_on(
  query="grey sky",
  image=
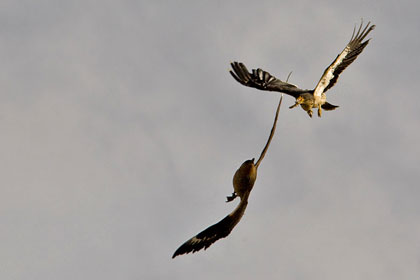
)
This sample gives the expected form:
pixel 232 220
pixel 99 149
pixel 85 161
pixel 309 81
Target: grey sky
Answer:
pixel 122 129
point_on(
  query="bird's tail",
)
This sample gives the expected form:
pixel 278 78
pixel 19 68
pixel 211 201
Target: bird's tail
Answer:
pixel 329 107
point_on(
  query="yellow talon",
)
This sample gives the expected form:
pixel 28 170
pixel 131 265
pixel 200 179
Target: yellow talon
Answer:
pixel 299 101
pixel 310 113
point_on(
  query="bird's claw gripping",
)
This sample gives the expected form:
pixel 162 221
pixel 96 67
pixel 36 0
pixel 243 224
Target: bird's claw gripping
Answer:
pixel 299 101
pixel 293 106
pixel 232 197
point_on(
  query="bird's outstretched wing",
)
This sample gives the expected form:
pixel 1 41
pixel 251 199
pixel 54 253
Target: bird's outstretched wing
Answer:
pixel 262 80
pixel 213 233
pixel 344 59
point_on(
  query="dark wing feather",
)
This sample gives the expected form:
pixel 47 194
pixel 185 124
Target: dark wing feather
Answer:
pixel 262 80
pixel 344 59
pixel 215 232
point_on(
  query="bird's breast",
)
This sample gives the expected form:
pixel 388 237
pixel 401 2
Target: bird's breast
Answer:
pixel 244 178
pixel 319 100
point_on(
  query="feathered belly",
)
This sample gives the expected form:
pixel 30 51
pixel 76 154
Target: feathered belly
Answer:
pixel 319 101
pixel 244 180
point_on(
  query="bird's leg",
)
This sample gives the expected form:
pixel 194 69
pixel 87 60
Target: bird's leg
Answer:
pixel 293 106
pixel 299 101
pixel 232 197
pixel 309 112
pixel 319 111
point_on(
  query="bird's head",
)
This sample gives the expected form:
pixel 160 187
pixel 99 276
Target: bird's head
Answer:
pixel 248 164
pixel 249 161
pixel 300 99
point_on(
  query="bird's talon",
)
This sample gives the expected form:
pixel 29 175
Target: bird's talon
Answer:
pixel 232 197
pixel 310 113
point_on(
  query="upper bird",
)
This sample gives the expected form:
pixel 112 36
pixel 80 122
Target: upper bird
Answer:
pixel 306 98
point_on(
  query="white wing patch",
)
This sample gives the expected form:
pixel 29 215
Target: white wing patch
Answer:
pixel 328 74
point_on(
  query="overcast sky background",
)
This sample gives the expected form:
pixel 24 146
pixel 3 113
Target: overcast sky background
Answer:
pixel 121 130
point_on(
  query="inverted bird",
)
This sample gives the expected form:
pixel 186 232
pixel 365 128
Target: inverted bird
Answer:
pixel 307 99
pixel 243 182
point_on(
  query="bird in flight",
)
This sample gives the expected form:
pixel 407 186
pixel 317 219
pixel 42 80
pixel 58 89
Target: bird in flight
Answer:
pixel 306 98
pixel 243 181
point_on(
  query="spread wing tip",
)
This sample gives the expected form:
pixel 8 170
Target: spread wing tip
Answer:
pixel 236 78
pixel 191 247
pixel 361 34
pixel 207 237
